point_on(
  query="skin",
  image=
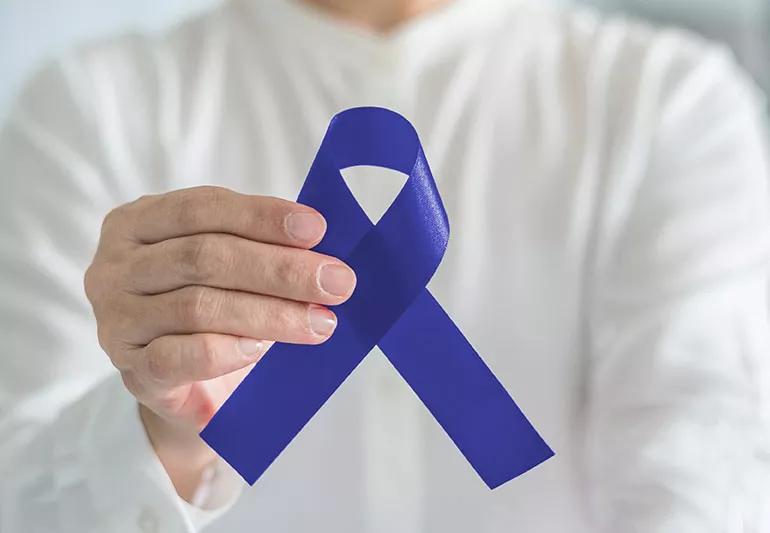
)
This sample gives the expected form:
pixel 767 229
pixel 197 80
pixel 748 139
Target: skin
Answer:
pixel 190 288
pixel 376 15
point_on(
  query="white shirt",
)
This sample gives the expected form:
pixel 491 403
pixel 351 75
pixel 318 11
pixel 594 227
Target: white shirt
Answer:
pixel 607 189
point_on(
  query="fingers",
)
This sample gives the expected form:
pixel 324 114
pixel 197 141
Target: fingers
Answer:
pixel 174 360
pixel 182 282
pixel 207 209
pixel 174 375
pixel 199 309
pixel 230 262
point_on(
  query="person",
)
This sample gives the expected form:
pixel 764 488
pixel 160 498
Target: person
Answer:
pixel 606 182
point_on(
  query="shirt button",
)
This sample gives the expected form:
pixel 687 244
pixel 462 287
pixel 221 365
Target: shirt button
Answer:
pixel 148 521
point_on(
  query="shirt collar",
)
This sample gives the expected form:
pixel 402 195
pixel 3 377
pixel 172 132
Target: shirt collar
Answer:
pixel 452 22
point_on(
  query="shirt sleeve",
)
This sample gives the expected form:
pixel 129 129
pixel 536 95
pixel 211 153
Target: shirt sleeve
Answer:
pixel 678 325
pixel 73 452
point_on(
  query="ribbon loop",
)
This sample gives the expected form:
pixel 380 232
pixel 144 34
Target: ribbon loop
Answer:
pixel 393 260
pixel 377 137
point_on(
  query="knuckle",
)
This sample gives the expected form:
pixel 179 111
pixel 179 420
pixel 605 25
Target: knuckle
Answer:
pixel 131 383
pixel 289 273
pixel 118 217
pixel 113 219
pixel 120 354
pixel 141 201
pixel 199 306
pixel 103 280
pixel 125 357
pixel 260 215
pixel 199 257
pixel 208 354
pixel 194 204
pixel 208 192
pixel 158 364
pixel 114 322
pixel 90 283
pixel 283 317
pixel 104 337
pixel 189 210
pixel 125 321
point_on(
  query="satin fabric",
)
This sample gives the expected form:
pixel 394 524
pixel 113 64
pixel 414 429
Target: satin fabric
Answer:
pixel 394 260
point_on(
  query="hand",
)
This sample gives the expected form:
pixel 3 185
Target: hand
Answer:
pixel 189 290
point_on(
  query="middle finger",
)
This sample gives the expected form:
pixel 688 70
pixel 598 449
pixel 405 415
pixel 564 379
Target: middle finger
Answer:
pixel 230 262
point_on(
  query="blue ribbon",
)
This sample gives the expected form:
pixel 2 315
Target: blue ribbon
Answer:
pixel 391 307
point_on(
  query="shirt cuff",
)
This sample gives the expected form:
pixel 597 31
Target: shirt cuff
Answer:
pixel 101 438
pixel 128 481
pixel 219 490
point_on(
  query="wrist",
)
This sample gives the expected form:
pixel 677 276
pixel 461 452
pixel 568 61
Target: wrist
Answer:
pixel 183 454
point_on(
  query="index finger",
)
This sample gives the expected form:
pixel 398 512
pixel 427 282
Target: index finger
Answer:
pixel 208 209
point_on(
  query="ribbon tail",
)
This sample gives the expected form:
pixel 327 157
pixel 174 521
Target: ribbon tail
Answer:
pixel 462 393
pixel 278 397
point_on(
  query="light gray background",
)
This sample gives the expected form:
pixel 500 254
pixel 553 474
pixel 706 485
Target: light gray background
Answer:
pixel 33 30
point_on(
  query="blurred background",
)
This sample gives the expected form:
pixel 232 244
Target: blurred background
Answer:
pixel 33 30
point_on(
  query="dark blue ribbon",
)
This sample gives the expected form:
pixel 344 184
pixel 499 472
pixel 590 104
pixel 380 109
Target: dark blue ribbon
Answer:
pixel 391 307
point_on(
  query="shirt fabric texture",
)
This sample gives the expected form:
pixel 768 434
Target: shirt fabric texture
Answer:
pixel 606 183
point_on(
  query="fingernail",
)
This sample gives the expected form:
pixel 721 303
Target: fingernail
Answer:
pixel 249 347
pixel 338 280
pixel 305 226
pixel 322 321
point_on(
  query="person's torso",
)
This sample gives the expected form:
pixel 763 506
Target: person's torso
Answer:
pixel 510 105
